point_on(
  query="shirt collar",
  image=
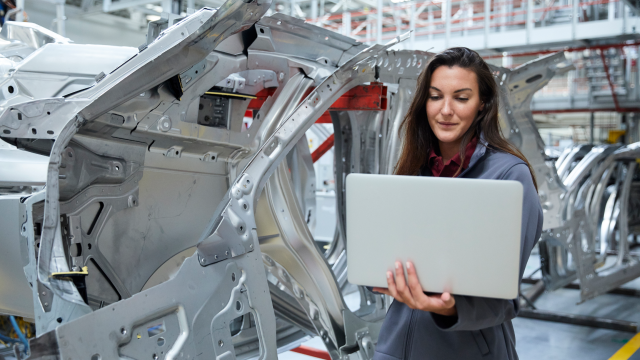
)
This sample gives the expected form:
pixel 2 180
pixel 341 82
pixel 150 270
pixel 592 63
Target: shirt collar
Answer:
pixel 471 146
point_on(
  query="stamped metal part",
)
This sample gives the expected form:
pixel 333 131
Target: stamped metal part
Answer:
pixel 517 88
pixel 52 255
pixel 116 188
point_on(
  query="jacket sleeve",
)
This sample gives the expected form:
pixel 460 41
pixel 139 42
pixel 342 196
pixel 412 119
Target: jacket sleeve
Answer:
pixel 475 313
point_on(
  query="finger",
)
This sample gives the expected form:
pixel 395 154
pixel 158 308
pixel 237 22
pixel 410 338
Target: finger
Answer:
pixel 438 303
pixel 420 299
pixel 448 300
pixel 400 280
pixel 391 285
pixel 382 291
pixel 401 285
pixel 412 279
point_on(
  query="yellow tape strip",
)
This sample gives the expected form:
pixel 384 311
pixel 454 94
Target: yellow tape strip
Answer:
pixel 628 349
pixel 85 271
pixel 231 94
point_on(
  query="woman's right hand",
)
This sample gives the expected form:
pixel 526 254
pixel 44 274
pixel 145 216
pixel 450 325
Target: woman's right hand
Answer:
pixel 410 292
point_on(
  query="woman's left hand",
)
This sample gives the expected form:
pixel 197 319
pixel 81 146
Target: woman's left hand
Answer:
pixel 412 294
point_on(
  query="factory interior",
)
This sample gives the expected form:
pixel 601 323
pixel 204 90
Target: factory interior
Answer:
pixel 134 122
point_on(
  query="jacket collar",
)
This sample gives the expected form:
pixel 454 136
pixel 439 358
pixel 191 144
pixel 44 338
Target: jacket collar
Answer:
pixel 481 149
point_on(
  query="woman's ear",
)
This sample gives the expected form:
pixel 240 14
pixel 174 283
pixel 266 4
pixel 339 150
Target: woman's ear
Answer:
pixel 481 107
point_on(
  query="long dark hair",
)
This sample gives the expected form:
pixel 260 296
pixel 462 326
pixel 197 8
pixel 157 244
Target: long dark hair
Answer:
pixel 419 139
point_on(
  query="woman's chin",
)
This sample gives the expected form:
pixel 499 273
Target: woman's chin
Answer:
pixel 447 137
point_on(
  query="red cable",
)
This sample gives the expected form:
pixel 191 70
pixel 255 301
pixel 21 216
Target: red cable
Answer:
pixel 309 351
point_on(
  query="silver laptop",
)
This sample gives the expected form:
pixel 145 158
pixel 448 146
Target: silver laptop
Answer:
pixel 463 235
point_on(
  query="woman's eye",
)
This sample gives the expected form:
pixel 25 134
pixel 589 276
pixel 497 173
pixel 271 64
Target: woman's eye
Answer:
pixel 434 97
pixel 463 99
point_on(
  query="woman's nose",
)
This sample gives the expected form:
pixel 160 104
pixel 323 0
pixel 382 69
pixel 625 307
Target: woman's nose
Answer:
pixel 447 110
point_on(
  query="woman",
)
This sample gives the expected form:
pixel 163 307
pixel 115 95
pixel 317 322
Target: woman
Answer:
pixel 452 130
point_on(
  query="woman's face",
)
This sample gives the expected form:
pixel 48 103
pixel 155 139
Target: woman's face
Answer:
pixel 453 103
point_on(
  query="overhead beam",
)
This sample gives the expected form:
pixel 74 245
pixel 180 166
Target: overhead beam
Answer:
pixel 370 4
pixel 109 6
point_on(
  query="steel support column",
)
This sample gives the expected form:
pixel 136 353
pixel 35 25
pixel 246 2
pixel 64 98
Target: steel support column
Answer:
pixel 574 18
pixel 591 128
pixel 625 9
pixel 379 22
pixel 176 7
pixel 446 17
pixel 431 21
pixel 412 24
pixel 314 10
pixel 346 23
pixel 60 18
pixel 20 14
pixel 398 20
pixel 166 6
pixel 624 126
pixel 530 23
pixel 503 18
pixel 487 21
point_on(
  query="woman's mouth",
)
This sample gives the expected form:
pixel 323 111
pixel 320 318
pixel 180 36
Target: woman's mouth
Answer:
pixel 447 124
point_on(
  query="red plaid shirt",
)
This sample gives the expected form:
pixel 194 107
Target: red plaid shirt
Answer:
pixel 440 169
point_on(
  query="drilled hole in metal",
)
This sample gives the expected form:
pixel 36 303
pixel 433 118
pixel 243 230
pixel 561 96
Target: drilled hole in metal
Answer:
pixel 533 78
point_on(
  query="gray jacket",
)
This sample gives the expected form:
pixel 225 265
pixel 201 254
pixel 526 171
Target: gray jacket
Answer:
pixel 482 328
